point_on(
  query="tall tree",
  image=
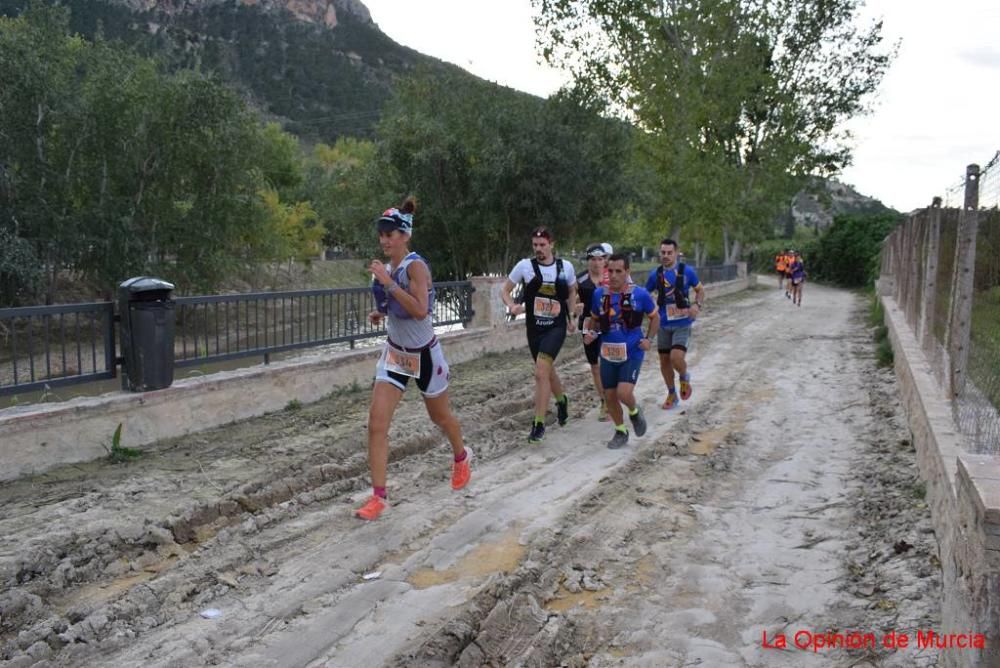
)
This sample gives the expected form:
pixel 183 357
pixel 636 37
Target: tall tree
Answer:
pixel 741 99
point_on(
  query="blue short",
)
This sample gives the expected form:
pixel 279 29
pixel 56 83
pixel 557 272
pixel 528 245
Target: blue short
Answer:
pixel 613 373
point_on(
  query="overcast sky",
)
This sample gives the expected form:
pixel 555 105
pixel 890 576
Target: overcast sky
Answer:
pixel 937 111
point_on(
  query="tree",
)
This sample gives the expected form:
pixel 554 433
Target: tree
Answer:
pixel 113 168
pixel 489 164
pixel 740 99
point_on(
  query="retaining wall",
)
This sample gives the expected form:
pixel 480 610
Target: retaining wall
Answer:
pixel 963 492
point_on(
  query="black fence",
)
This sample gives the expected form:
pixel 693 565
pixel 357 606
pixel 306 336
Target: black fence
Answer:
pixel 50 346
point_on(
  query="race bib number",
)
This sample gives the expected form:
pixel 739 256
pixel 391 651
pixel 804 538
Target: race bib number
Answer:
pixel 401 362
pixel 674 313
pixel 547 308
pixel 614 352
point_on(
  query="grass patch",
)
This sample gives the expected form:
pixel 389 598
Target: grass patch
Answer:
pixel 293 405
pixel 117 453
pixel 884 355
pixel 984 351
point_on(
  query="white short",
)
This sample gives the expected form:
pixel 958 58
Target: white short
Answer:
pixel 433 376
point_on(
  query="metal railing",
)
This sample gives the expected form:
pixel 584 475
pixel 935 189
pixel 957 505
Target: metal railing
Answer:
pixel 223 327
pixel 49 346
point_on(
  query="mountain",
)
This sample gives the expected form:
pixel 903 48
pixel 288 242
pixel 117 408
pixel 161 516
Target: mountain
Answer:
pixel 816 205
pixel 322 68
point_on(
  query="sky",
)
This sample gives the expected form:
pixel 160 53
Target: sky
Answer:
pixel 938 108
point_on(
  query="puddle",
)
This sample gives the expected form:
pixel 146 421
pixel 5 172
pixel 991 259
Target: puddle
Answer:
pixel 565 600
pixel 502 556
pixel 705 443
pixel 104 592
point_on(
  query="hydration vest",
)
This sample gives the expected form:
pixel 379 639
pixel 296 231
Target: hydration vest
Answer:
pixel 629 316
pixel 680 296
pixel 533 288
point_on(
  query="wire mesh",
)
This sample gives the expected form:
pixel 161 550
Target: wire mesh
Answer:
pixel 923 257
pixel 979 403
pixel 989 184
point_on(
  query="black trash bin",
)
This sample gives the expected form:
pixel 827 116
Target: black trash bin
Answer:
pixel 147 333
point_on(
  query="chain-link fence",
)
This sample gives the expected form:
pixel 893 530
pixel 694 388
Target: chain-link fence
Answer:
pixel 945 266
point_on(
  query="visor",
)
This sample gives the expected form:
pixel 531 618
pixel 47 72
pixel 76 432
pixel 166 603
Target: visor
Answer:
pixel 597 251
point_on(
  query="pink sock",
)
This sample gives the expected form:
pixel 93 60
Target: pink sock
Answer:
pixel 379 492
pixel 461 457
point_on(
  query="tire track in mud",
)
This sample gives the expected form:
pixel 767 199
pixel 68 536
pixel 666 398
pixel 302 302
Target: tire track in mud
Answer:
pixel 111 538
pixel 267 498
pixel 620 581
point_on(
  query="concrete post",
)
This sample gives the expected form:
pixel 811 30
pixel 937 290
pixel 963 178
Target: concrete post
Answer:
pixel 965 273
pixel 932 247
pixel 489 309
pixel 741 270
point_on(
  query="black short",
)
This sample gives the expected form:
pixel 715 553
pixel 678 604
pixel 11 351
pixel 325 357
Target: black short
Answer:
pixel 593 351
pixel 546 341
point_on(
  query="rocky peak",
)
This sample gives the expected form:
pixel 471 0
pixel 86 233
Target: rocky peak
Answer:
pixel 324 12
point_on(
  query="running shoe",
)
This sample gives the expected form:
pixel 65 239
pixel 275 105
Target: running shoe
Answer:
pixel 638 423
pixel 461 471
pixel 372 508
pixel 562 410
pixel 537 434
pixel 670 402
pixel 602 413
pixel 619 440
pixel 685 388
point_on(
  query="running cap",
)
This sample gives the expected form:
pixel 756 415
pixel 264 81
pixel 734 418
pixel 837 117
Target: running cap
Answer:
pixel 400 218
pixel 607 248
pixel 597 250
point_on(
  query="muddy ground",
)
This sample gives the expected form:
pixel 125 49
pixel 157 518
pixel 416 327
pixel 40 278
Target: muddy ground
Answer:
pixel 782 499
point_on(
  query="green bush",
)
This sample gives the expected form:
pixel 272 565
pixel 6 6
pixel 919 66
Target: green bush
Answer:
pixel 848 252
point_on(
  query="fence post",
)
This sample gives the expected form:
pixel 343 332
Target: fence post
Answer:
pixel 488 309
pixel 932 246
pixel 965 273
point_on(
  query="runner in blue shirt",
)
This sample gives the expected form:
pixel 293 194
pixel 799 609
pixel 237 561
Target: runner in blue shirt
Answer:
pixel 616 313
pixel 677 313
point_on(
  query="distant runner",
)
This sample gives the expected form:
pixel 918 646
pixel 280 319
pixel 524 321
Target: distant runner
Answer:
pixel 780 264
pixel 798 273
pixel 549 299
pixel 617 311
pixel 404 295
pixel 673 282
pixel 587 283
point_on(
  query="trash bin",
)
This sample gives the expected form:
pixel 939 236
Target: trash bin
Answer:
pixel 147 333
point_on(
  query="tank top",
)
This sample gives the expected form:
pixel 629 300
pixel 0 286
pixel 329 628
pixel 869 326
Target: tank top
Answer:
pixel 405 330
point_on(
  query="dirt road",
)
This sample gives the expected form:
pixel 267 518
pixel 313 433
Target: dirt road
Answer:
pixel 781 501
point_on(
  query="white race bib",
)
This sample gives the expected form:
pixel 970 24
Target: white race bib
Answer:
pixel 547 308
pixel 614 352
pixel 402 362
pixel 674 313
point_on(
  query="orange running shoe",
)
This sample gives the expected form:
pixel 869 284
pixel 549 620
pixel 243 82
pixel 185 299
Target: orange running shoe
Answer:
pixel 670 402
pixel 686 388
pixel 372 508
pixel 461 471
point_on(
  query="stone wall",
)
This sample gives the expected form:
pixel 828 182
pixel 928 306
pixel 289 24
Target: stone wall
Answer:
pixel 963 492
